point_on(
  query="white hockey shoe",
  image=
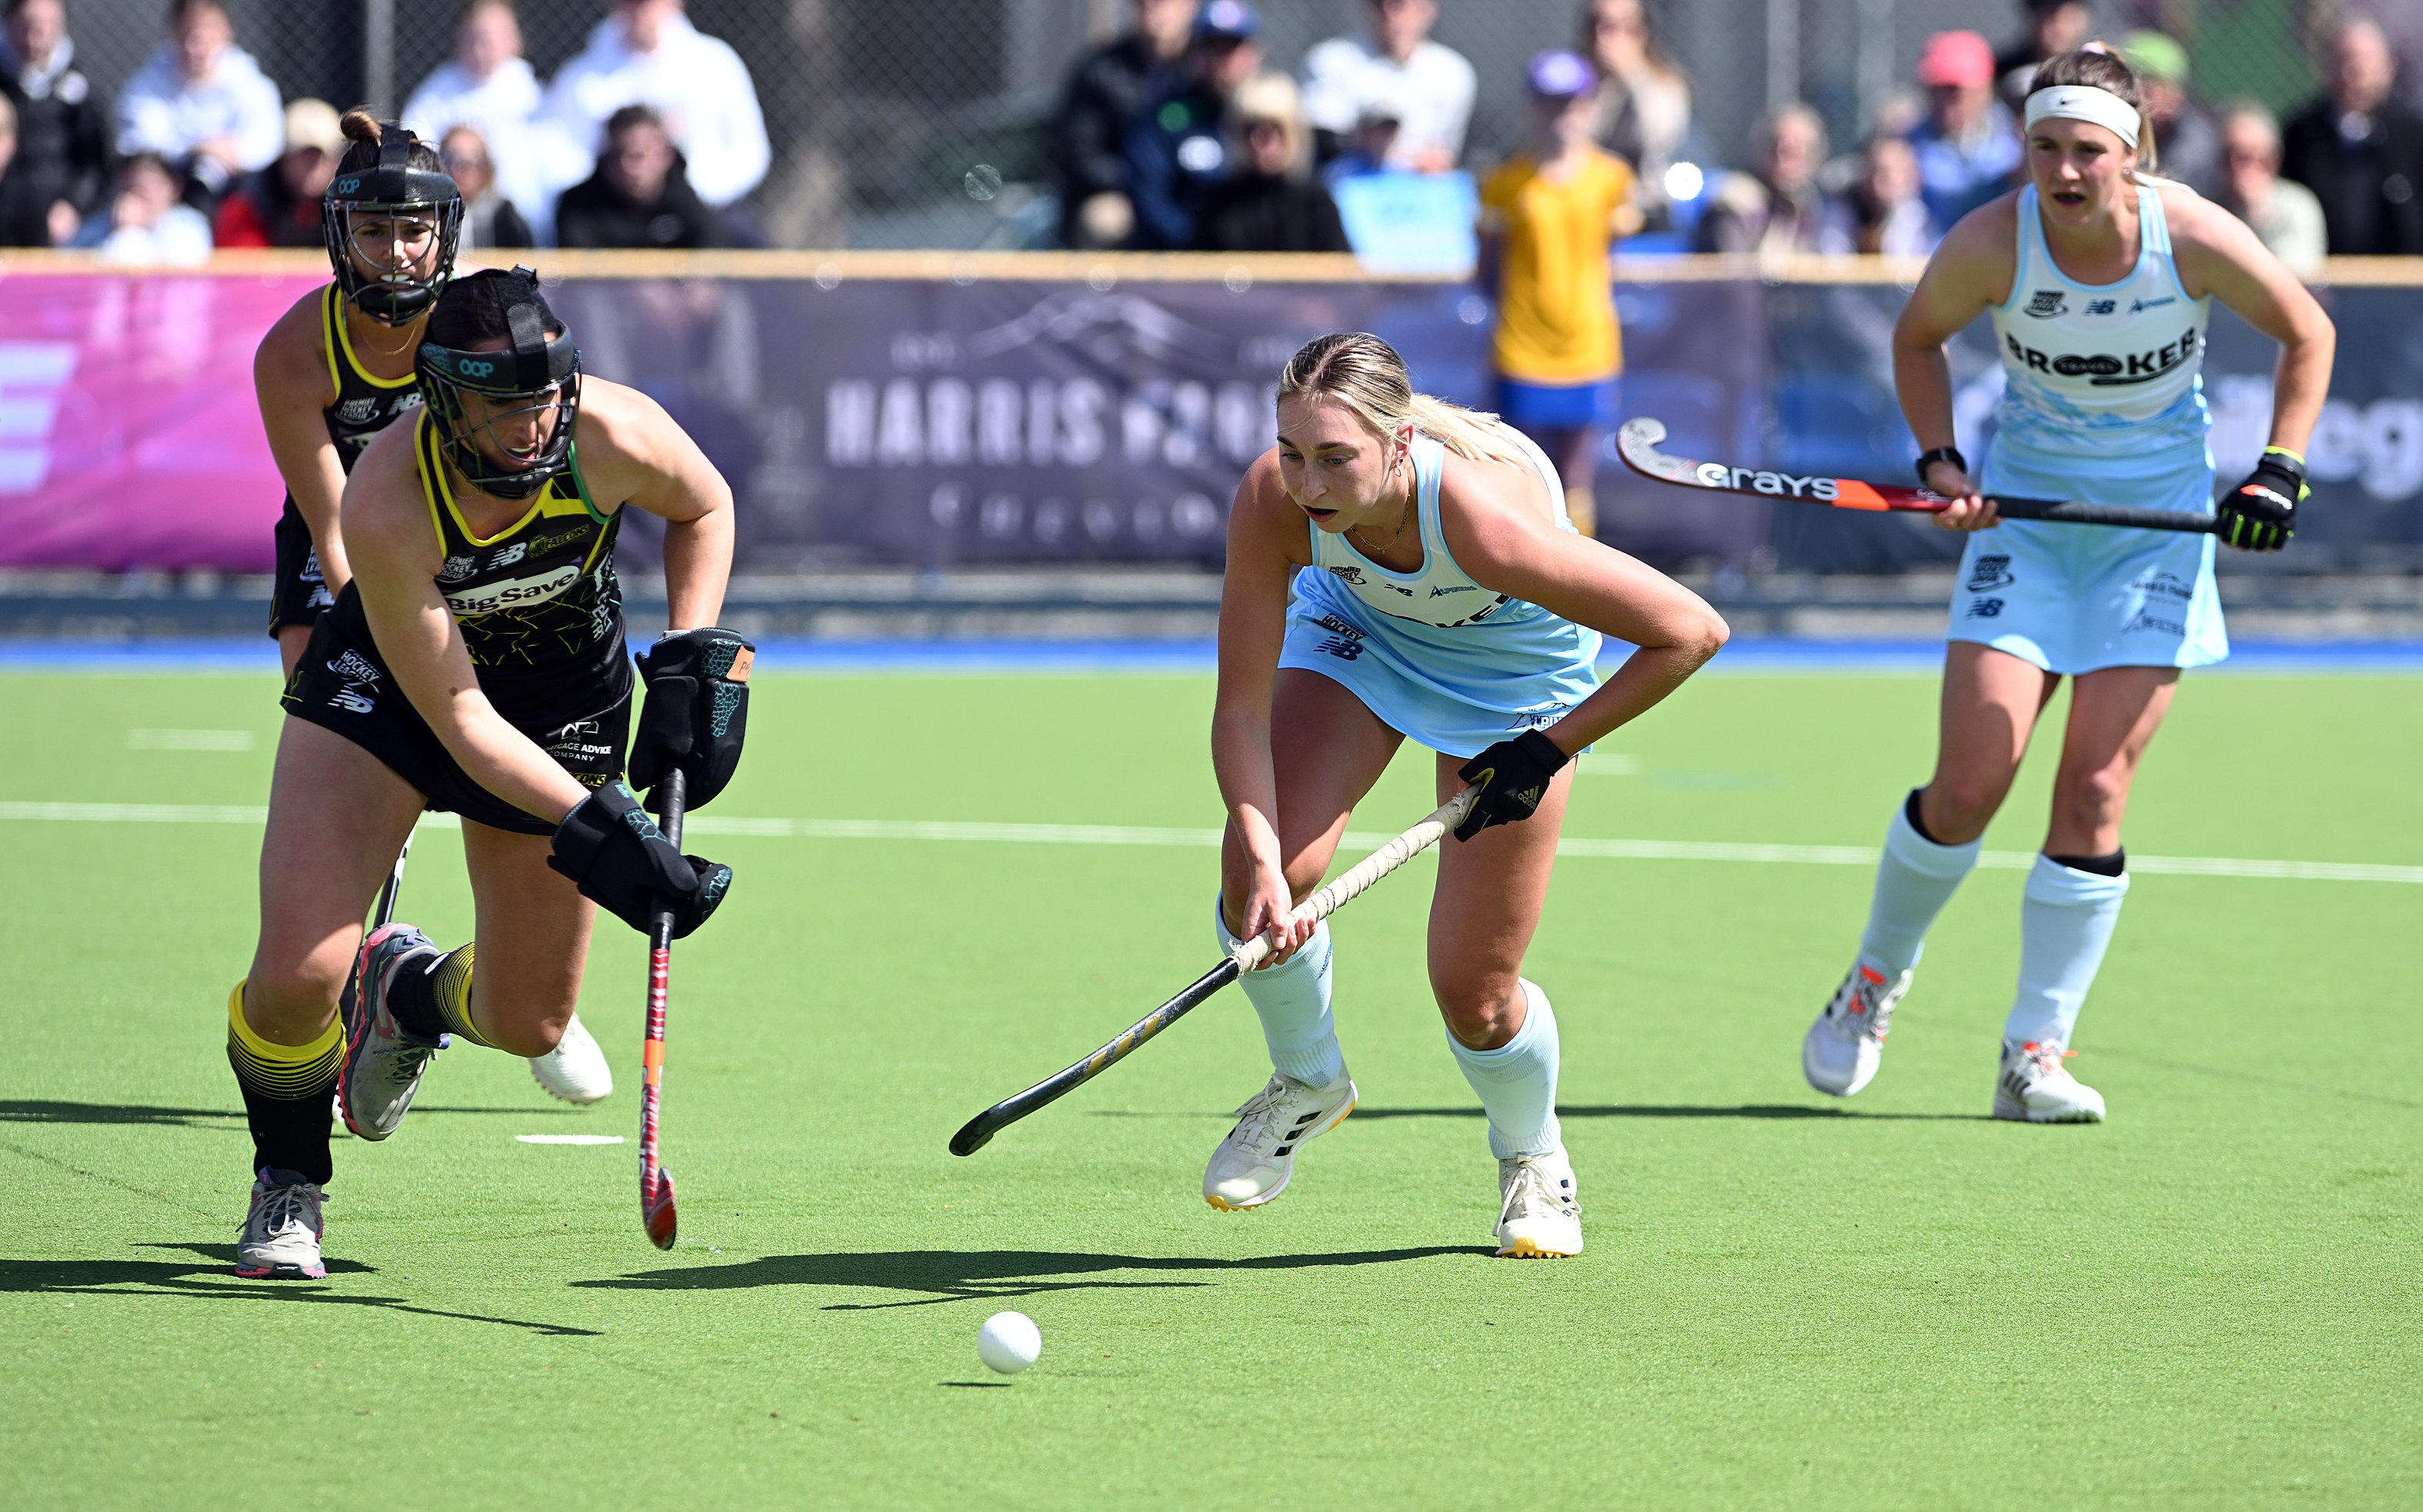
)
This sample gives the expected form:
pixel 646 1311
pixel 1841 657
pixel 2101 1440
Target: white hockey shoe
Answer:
pixel 2037 1088
pixel 575 1070
pixel 1256 1161
pixel 1539 1207
pixel 1843 1049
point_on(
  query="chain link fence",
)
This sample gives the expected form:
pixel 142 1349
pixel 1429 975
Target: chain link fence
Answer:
pixel 924 124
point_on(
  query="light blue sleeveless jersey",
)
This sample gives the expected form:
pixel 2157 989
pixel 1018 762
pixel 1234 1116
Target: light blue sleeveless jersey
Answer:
pixel 2102 401
pixel 1436 656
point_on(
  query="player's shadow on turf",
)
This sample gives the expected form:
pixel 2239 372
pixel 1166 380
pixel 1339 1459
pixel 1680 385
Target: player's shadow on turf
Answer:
pixel 953 1275
pixel 1671 1110
pixel 209 1276
pixel 38 1111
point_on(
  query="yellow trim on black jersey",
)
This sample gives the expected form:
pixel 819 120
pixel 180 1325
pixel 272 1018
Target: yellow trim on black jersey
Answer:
pixel 334 338
pixel 437 486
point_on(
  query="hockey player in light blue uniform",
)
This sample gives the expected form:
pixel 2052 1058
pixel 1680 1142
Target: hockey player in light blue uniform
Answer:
pixel 2098 278
pixel 1398 566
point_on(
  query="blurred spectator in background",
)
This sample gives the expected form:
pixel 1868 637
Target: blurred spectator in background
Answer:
pixel 489 219
pixel 2361 151
pixel 1105 94
pixel 24 210
pixel 202 103
pixel 2286 216
pixel 2052 27
pixel 646 53
pixel 148 224
pixel 1644 101
pixel 1367 151
pixel 641 195
pixel 1178 150
pixel 1881 214
pixel 1774 209
pixel 1270 203
pixel 489 85
pixel 1969 146
pixel 279 206
pixel 1548 219
pixel 1432 85
pixel 62 139
pixel 2187 143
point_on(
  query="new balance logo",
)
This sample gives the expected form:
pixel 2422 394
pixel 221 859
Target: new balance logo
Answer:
pixel 2101 306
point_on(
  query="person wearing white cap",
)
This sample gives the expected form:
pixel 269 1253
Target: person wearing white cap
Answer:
pixel 2098 278
pixel 279 206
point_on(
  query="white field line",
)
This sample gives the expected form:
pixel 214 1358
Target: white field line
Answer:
pixel 1028 834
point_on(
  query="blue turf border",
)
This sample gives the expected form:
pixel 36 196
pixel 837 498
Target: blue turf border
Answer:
pixel 247 654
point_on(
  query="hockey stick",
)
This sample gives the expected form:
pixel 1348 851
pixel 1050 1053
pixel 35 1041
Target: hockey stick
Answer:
pixel 381 917
pixel 981 1129
pixel 385 912
pixel 1638 441
pixel 657 1183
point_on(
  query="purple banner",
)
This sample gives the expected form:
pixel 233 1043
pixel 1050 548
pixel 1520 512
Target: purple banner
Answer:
pixel 128 433
pixel 939 423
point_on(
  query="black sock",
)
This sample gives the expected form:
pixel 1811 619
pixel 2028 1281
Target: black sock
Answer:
pixel 2112 865
pixel 411 999
pixel 1917 820
pixel 287 1095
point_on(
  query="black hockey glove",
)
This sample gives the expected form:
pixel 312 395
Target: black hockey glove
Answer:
pixel 2261 514
pixel 1513 777
pixel 621 861
pixel 696 711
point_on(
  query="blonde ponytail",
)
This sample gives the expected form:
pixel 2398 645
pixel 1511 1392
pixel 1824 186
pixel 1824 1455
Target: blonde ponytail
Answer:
pixel 1364 373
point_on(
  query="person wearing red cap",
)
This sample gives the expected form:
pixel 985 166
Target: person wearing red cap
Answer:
pixel 1968 145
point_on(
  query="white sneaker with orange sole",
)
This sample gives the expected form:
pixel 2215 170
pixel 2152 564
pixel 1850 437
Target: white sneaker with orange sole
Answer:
pixel 1257 1161
pixel 1843 1049
pixel 1539 1208
pixel 2037 1088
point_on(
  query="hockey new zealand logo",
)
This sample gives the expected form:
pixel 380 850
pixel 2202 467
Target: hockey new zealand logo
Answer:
pixel 357 411
pixel 1988 573
pixel 2046 304
pixel 1353 577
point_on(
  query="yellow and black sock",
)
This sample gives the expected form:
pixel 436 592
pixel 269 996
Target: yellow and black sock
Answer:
pixel 438 1001
pixel 286 1092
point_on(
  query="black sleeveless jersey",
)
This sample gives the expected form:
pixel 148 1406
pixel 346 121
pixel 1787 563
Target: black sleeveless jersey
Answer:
pixel 365 405
pixel 540 607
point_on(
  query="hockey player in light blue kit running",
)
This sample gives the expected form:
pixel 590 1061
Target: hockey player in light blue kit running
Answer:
pixel 1398 566
pixel 2098 278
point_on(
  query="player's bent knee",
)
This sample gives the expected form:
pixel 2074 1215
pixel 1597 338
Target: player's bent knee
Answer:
pixel 288 1004
pixel 1478 1013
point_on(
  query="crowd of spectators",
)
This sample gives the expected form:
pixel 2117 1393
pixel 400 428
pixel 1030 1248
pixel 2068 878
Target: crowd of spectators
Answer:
pixel 650 137
pixel 1175 134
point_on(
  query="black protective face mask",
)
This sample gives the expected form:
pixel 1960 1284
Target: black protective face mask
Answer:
pixel 533 368
pixel 391 190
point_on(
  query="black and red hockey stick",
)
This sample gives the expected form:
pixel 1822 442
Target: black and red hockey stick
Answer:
pixel 657 1183
pixel 1638 442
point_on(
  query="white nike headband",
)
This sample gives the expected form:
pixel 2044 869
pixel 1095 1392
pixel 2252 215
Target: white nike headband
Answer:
pixel 2083 102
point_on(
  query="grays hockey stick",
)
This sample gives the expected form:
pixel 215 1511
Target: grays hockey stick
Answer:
pixel 1358 879
pixel 1638 441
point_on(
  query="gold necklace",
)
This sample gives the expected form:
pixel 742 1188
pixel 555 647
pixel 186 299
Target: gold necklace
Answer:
pixel 1404 518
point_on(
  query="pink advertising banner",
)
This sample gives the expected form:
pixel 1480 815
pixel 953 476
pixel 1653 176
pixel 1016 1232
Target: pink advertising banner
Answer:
pixel 128 433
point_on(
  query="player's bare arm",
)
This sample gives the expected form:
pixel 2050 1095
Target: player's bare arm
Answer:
pixel 1266 544
pixel 1498 522
pixel 396 556
pixel 291 380
pixel 1969 273
pixel 2219 255
pixel 632 453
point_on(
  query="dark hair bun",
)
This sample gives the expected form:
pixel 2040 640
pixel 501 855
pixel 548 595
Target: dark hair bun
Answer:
pixel 360 125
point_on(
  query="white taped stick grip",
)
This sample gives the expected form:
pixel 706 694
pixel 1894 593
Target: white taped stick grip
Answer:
pixel 1358 879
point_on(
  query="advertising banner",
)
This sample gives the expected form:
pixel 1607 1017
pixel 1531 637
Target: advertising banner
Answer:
pixel 935 423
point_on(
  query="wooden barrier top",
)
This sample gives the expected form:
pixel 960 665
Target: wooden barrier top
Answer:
pixel 830 269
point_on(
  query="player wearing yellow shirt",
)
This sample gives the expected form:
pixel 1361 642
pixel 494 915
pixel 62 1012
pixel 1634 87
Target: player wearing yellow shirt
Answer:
pixel 1546 221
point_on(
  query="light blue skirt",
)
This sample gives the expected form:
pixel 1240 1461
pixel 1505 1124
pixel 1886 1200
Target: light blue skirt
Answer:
pixel 2079 598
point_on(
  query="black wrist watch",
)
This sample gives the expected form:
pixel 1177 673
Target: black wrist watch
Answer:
pixel 1928 459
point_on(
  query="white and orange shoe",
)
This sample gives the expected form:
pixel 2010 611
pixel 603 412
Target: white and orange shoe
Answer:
pixel 1257 1161
pixel 2035 1088
pixel 1539 1208
pixel 1843 1049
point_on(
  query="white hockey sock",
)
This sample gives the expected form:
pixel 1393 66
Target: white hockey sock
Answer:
pixel 2065 926
pixel 1517 1081
pixel 1914 880
pixel 1292 1000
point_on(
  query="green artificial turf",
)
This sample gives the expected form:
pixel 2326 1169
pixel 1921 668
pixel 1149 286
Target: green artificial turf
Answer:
pixel 2210 1300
